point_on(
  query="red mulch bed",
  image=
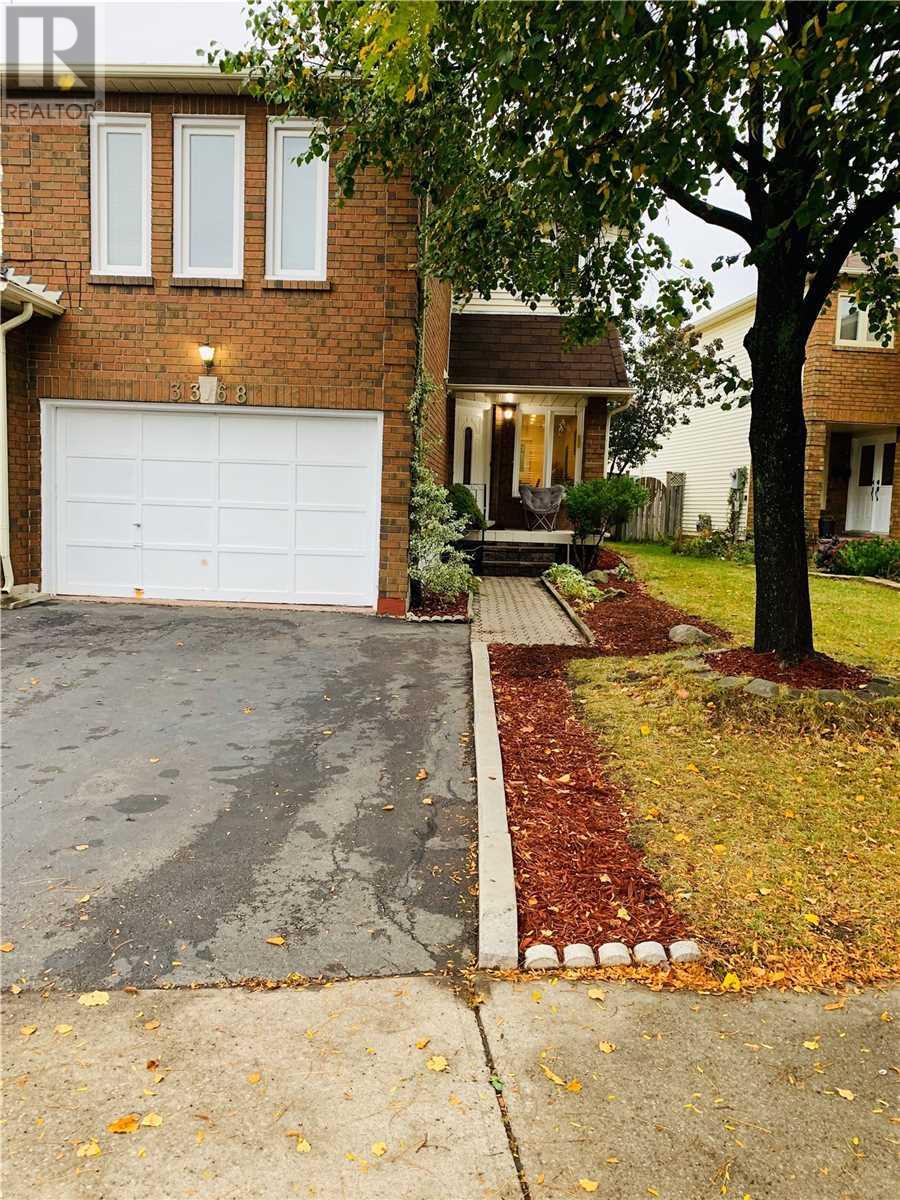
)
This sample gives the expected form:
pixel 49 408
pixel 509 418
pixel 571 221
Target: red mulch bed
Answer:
pixel 638 623
pixel 818 671
pixel 434 606
pixel 575 868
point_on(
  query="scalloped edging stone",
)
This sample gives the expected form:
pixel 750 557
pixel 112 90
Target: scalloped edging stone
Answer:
pixel 458 620
pixel 543 957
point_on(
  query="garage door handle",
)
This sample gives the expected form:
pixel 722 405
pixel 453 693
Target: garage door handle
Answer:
pixel 136 524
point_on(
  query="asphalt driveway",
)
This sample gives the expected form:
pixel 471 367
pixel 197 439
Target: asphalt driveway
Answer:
pixel 182 783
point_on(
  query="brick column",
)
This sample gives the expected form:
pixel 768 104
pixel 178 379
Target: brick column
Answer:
pixel 816 440
pixel 595 427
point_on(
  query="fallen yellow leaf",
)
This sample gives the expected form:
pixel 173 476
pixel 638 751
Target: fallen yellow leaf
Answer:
pixel 645 730
pixel 437 1062
pixel 199 1136
pixel 83 899
pixel 607 1047
pixel 379 1149
pixel 126 1124
pixel 254 1077
pixel 28 1030
pixel 88 1149
pixel 151 1025
pixel 387 808
pixel 303 1146
pixel 731 983
pixel 7 947
pixel 422 1043
pixel 573 1085
pixel 536 997
pixel 275 941
pixel 623 914
pixel 588 1185
pixel 596 993
pixel 63 1029
pixel 810 918
pixel 552 1076
pixel 845 1094
pixel 835 1004
pixel 421 774
pixel 93 999
pixel 152 1120
pixel 812 1045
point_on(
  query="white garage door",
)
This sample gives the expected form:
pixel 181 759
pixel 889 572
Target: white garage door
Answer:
pixel 193 504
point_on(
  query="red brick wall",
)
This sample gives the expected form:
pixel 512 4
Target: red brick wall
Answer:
pixel 435 347
pixel 594 452
pixel 23 426
pixel 848 385
pixel 350 344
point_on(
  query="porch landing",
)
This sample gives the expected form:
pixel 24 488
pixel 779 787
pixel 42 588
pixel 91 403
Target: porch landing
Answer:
pixel 521 612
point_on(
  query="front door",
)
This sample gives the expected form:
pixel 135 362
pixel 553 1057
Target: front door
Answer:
pixel 471 450
pixel 870 489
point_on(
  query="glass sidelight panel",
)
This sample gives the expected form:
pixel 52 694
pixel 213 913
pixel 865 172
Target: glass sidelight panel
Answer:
pixel 531 450
pixel 866 466
pixel 565 433
pixel 889 453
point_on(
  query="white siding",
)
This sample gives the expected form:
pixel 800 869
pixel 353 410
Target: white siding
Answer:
pixel 714 443
pixel 505 302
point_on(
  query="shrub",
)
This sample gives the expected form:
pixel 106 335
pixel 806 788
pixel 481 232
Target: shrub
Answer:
pixel 597 505
pixel 868 556
pixel 435 563
pixel 714 543
pixel 465 505
pixel 571 584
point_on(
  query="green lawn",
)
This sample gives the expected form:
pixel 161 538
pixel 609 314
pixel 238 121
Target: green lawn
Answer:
pixel 853 621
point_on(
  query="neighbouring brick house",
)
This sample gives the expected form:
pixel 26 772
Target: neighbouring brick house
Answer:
pixel 179 228
pixel 851 398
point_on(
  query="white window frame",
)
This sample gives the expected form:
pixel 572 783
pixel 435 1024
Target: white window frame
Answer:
pixel 551 409
pixel 862 341
pixel 278 127
pixel 184 126
pixel 103 123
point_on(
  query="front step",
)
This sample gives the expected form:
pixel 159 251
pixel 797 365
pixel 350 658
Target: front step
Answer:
pixel 506 567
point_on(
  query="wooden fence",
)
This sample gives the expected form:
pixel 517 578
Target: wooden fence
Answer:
pixel 660 517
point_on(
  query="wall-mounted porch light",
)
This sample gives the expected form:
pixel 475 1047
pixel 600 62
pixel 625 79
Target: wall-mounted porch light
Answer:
pixel 207 355
pixel 508 414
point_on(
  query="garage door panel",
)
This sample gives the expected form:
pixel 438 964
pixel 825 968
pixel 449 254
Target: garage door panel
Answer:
pixel 335 440
pixel 249 436
pixel 174 435
pixel 177 480
pixel 338 486
pixel 116 568
pixel 97 478
pixel 326 575
pixel 178 525
pixel 98 432
pixel 259 505
pixel 254 576
pixel 256 483
pixel 260 528
pixel 179 573
pixel 103 522
pixel 331 530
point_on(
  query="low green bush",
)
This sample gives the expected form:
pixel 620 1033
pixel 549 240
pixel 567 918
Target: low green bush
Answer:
pixel 868 556
pixel 714 543
pixel 465 505
pixel 571 584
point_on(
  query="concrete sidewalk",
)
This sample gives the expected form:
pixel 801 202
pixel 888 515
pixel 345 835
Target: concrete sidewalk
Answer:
pixel 382 1089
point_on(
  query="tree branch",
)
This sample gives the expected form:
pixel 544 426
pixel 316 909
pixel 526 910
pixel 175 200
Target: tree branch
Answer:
pixel 869 210
pixel 710 213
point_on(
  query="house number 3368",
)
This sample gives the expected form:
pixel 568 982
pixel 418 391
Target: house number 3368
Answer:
pixel 176 392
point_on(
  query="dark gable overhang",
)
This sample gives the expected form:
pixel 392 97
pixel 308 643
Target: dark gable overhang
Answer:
pixel 505 351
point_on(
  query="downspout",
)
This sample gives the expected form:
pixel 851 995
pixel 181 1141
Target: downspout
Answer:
pixel 7 327
pixel 610 413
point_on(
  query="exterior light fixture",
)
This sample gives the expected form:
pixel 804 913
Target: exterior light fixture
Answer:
pixel 207 355
pixel 508 414
pixel 207 385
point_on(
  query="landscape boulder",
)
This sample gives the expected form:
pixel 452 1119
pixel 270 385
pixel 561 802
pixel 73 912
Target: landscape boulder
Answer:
pixel 689 635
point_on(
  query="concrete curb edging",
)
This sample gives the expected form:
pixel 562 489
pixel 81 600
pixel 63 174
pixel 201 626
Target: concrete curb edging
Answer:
pixel 573 616
pixel 860 578
pixel 498 926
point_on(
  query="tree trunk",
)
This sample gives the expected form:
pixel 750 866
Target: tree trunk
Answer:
pixel 777 348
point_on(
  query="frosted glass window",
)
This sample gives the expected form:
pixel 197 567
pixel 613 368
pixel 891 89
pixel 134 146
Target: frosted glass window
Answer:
pixel 297 205
pixel 120 194
pixel 212 201
pixel 848 321
pixel 209 197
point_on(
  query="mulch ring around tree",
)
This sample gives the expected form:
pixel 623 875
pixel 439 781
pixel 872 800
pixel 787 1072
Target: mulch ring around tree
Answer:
pixel 818 671
pixel 578 877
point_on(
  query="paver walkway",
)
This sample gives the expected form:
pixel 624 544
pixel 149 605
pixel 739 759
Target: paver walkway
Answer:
pixel 520 611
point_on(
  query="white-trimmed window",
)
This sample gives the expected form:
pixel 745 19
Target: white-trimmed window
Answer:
pixel 120 194
pixel 296 204
pixel 853 324
pixel 548 444
pixel 209 197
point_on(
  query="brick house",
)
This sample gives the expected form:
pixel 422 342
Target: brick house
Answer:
pixel 209 400
pixel 851 398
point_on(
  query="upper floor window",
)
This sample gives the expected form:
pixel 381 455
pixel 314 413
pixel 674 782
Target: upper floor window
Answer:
pixel 853 324
pixel 296 204
pixel 120 194
pixel 209 197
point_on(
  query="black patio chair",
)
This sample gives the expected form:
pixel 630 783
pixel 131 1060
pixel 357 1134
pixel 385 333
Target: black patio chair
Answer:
pixel 542 505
